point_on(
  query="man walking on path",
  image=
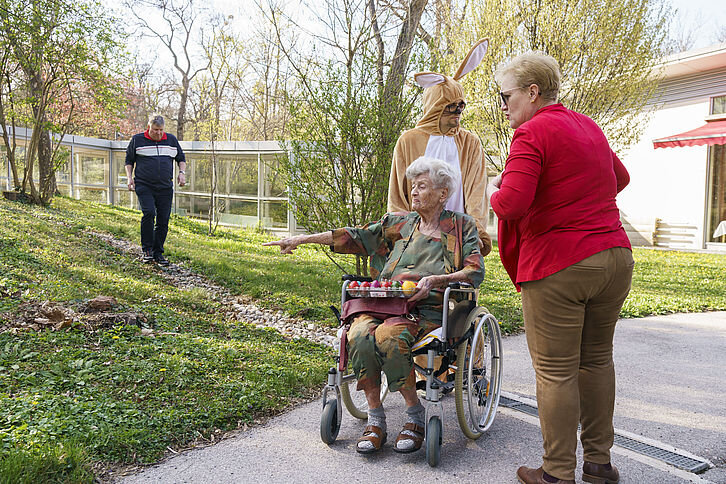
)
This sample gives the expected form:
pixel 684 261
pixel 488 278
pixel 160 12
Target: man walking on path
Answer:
pixel 150 155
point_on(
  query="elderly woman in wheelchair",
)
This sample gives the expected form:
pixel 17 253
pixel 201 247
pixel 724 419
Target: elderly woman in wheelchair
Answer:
pixel 434 248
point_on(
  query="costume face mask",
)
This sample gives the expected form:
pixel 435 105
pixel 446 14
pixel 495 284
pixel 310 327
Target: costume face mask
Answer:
pixel 442 93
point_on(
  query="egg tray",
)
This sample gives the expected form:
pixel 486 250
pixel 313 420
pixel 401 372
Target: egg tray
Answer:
pixel 376 292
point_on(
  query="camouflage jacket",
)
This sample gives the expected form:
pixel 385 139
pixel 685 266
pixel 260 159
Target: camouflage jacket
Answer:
pixel 386 242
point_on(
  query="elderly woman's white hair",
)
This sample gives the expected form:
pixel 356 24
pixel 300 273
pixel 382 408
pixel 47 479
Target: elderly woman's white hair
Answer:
pixel 440 172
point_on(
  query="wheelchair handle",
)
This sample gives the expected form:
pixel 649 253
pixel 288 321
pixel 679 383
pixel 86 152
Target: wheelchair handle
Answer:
pixel 354 277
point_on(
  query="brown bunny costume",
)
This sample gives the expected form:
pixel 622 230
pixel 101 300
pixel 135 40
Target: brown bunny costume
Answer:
pixel 458 147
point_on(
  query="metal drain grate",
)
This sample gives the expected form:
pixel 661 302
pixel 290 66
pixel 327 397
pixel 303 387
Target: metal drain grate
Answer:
pixel 673 458
pixel 677 460
pixel 522 407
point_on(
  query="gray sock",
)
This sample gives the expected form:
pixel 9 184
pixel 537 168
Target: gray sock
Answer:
pixel 415 415
pixel 376 417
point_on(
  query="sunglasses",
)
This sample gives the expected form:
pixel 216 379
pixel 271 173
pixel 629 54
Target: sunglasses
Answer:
pixel 505 95
pixel 455 108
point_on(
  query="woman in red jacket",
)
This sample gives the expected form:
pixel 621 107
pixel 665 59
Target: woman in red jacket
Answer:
pixel 562 243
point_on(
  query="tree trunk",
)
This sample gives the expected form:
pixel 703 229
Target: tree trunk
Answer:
pixel 39 147
pixel 31 151
pixel 46 171
pixel 10 150
pixel 379 43
pixel 10 144
pixel 181 114
pixel 399 63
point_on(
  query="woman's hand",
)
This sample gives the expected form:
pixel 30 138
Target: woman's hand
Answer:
pixel 425 285
pixel 287 245
pixel 493 186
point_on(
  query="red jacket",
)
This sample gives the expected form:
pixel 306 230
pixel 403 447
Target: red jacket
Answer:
pixel 556 204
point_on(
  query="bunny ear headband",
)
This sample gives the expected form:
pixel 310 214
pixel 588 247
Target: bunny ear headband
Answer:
pixel 470 62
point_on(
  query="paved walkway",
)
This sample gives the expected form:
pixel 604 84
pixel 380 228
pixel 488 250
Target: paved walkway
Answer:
pixel 671 393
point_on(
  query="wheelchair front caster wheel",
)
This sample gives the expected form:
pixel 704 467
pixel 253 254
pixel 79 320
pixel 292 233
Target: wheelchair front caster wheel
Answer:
pixel 329 422
pixel 433 441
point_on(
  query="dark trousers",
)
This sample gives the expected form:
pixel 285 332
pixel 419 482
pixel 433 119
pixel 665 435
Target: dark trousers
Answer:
pixel 156 208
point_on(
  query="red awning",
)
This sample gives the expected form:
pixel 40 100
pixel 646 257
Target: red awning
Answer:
pixel 711 133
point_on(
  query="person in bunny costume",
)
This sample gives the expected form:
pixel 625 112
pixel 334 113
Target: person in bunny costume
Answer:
pixel 439 134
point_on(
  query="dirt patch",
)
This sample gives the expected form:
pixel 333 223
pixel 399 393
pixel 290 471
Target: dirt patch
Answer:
pixel 91 315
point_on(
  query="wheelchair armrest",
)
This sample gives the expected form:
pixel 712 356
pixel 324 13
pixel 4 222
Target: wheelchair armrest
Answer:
pixel 353 277
pixel 461 286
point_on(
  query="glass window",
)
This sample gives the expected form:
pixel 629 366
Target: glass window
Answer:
pixel 92 194
pixel 239 212
pixel 3 163
pixel 5 170
pixel 239 175
pixel 274 215
pixel 64 189
pixel 273 185
pixel 717 195
pixel 192 205
pixel 119 169
pixel 198 174
pixel 5 176
pixel 91 167
pixel 63 165
pixel 718 105
pixel 125 198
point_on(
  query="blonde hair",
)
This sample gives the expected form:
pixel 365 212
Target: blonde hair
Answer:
pixel 534 67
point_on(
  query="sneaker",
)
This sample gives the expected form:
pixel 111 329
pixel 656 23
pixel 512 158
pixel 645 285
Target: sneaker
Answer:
pixel 148 257
pixel 161 260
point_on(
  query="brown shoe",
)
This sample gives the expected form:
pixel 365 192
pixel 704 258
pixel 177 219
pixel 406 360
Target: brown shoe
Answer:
pixel 412 432
pixel 373 434
pixel 527 475
pixel 600 473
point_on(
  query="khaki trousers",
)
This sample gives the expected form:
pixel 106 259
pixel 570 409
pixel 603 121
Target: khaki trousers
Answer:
pixel 569 320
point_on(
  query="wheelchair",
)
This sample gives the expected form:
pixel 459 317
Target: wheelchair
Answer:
pixel 468 342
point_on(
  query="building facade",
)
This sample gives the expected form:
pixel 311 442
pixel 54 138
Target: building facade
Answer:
pixel 676 197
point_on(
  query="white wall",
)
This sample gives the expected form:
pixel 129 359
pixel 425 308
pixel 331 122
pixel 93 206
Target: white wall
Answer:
pixel 667 183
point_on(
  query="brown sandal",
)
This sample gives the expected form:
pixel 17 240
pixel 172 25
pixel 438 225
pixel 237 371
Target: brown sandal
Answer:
pixel 373 435
pixel 417 438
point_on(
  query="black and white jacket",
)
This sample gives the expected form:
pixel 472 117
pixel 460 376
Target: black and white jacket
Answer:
pixel 154 160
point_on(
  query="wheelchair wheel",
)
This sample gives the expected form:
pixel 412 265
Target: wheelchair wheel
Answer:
pixel 433 441
pixel 478 375
pixel 329 422
pixel 355 401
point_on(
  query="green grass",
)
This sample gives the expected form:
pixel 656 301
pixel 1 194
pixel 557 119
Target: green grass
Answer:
pixel 75 397
pixel 676 282
pixel 112 394
pixel 64 463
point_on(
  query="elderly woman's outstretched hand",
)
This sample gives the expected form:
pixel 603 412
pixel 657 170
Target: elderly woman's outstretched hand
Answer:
pixel 287 245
